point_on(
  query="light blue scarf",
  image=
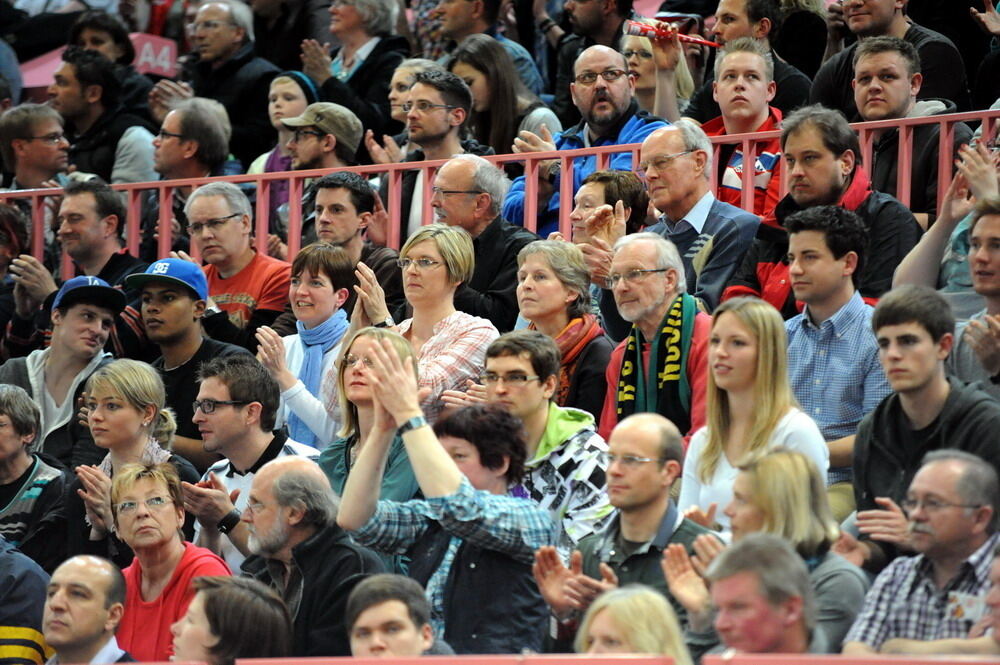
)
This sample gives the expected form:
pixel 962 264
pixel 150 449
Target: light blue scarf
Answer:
pixel 317 341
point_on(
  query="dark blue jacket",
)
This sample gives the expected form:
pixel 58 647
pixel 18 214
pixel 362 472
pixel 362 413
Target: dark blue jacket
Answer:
pixel 22 599
pixel 634 126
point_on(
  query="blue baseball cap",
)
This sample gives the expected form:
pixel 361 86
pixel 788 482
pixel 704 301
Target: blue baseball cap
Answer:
pixel 175 271
pixel 91 290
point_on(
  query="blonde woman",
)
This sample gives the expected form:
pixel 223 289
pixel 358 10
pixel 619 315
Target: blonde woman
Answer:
pixel 126 415
pixel 783 494
pixel 632 619
pixel 148 510
pixel 357 408
pixel 450 346
pixel 639 56
pixel 750 409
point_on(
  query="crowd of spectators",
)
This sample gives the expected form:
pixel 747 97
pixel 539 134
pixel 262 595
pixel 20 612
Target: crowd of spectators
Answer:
pixel 702 420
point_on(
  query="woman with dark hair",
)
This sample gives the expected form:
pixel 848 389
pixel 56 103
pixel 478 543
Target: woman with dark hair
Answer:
pixel 357 73
pixel 230 618
pixel 501 105
pixel 105 33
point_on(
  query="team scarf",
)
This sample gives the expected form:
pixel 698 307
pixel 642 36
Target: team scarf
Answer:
pixel 316 342
pixel 664 390
pixel 573 339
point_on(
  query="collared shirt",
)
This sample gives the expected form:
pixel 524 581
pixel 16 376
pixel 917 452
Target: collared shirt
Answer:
pixel 835 372
pixel 905 602
pixel 695 218
pixel 456 351
pixel 109 653
pixel 337 64
pixel 510 525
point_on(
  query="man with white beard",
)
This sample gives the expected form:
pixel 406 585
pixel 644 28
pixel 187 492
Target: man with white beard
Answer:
pixel 300 552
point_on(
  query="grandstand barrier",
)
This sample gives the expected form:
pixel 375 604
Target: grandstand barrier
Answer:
pixel 514 659
pixel 833 659
pixel 393 174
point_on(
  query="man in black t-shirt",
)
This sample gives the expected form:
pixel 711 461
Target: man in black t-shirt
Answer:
pixel 173 301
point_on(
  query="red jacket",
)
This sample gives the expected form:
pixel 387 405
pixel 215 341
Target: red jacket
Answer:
pixel 767 167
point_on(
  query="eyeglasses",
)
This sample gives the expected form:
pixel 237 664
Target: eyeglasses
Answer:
pixel 208 406
pixel 152 503
pixel 609 75
pixel 254 506
pixel 163 134
pixel 422 264
pixel 644 54
pixel 424 106
pixel 52 139
pixel 437 191
pixel 660 162
pixel 299 133
pixel 628 461
pixel 342 3
pixel 210 25
pixel 630 277
pixel 350 360
pixel 212 224
pixel 492 378
pixel 933 505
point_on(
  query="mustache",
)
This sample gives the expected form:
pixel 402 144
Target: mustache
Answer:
pixel 920 528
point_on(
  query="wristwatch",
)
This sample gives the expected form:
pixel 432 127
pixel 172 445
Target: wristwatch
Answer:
pixel 411 424
pixel 387 323
pixel 229 522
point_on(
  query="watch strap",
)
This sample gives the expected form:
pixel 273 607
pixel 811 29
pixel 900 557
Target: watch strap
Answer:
pixel 229 521
pixel 411 424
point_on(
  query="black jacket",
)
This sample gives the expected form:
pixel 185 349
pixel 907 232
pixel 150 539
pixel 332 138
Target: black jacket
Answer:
pixel 94 150
pixel 887 452
pixel 491 293
pixel 331 565
pixel 589 385
pixel 492 603
pixel 241 84
pixel 366 92
pixel 924 174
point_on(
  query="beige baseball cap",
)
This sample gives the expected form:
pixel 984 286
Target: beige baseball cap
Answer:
pixel 331 119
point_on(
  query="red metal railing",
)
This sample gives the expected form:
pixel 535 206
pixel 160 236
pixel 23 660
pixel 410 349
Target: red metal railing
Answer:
pixel 394 173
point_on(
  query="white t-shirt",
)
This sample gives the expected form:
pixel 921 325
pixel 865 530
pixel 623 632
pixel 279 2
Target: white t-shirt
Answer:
pixel 796 431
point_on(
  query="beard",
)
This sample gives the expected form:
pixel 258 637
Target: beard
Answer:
pixel 270 542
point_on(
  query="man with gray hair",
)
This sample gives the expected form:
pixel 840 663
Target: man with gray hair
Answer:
pixel 247 289
pixel 193 142
pixel 468 191
pixel 710 235
pixel 647 281
pixel 302 554
pixel 763 598
pixel 227 71
pixel 951 506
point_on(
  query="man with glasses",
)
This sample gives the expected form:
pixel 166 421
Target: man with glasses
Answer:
pixel 174 294
pixel 662 364
pixel 644 458
pixel 467 193
pixel 193 142
pixel 246 289
pixel 565 466
pixel 439 104
pixel 951 516
pixel 604 92
pixel 227 71
pixel 234 411
pixel 927 410
pixel 34 147
pixel 300 552
pixel 104 140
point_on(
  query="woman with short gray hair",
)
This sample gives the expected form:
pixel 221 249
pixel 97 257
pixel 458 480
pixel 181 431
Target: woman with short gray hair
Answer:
pixel 357 74
pixel 553 293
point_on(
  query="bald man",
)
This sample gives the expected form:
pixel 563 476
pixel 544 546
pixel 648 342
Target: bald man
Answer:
pixel 83 607
pixel 300 552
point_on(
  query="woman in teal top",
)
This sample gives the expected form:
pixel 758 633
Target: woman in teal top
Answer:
pixel 357 413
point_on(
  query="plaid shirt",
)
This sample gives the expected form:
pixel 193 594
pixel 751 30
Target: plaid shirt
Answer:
pixel 834 371
pixel 455 352
pixel 506 524
pixel 904 601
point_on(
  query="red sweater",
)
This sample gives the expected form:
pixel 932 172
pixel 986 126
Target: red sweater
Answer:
pixel 145 628
pixel 697 374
